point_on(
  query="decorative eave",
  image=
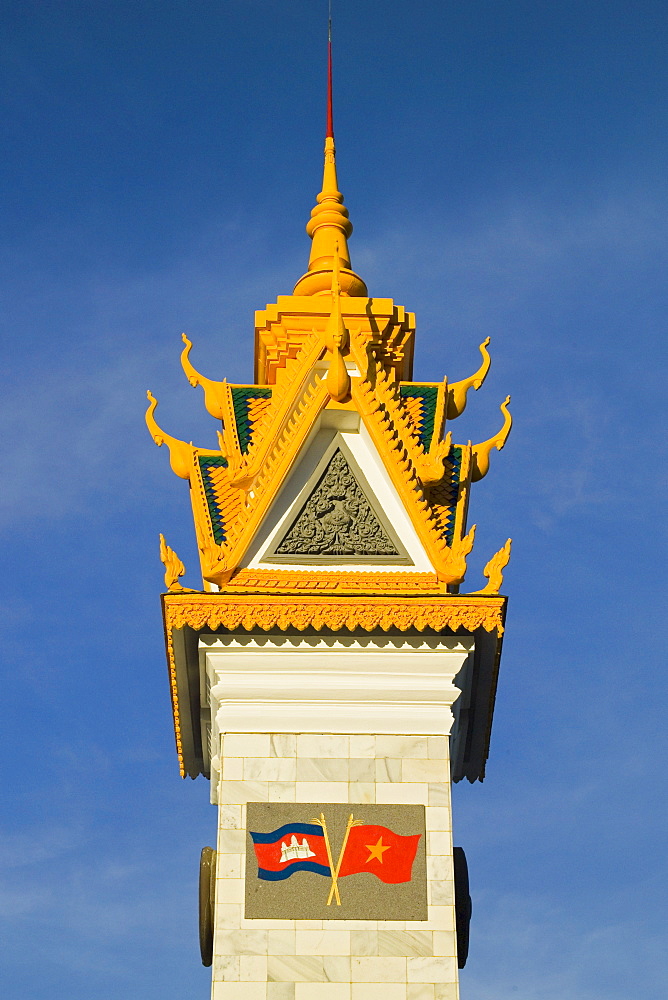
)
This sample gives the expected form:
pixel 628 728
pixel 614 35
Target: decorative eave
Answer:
pixel 265 427
pixel 315 580
pixel 188 615
pixel 249 611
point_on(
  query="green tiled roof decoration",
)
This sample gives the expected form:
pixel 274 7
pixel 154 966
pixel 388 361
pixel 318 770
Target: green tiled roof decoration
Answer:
pixel 242 396
pixel 208 464
pixel 449 487
pixel 427 394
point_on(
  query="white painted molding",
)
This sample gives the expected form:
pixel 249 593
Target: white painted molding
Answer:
pixel 334 717
pixel 359 684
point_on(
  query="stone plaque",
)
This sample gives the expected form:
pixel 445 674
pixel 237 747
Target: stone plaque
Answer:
pixel 324 861
pixel 339 523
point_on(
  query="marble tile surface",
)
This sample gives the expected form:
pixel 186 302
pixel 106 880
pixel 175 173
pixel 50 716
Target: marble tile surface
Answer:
pixel 314 745
pixel 322 991
pixel 310 959
pixel 412 944
pixel 322 769
pixel 420 991
pixel 378 991
pixel 280 991
pixel 430 970
pixel 379 970
pixel 239 991
pixel 283 745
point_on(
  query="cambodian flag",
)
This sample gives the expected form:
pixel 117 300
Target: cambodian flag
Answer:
pixel 295 847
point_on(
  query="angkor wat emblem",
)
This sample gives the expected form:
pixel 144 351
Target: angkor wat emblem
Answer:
pixel 337 519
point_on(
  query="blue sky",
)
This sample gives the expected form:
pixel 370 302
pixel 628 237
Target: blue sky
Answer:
pixel 505 168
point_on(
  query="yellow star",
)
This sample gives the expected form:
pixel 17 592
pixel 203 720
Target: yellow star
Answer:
pixel 376 850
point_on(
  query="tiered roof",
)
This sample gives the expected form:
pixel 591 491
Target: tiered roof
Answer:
pixel 331 355
pixel 334 348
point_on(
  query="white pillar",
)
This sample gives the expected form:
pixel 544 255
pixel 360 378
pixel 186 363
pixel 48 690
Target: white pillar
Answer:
pixel 360 720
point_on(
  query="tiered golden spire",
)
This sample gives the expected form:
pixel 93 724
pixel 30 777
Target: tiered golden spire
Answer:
pixel 333 368
pixel 329 226
pixel 329 346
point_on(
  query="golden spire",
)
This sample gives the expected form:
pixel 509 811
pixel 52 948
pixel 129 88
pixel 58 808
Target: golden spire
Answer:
pixel 329 226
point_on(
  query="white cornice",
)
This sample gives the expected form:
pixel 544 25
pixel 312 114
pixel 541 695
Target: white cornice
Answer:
pixel 323 684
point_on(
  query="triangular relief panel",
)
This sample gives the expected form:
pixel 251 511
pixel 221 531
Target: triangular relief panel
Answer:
pixel 339 523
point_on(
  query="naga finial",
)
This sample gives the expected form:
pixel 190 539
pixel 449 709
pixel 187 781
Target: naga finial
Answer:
pixel 180 453
pixel 480 452
pixel 453 570
pixel 494 570
pixel 213 391
pixel 336 338
pixel 174 568
pixel 458 391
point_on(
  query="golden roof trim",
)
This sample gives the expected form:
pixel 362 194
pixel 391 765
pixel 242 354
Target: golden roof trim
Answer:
pixel 248 611
pixel 340 580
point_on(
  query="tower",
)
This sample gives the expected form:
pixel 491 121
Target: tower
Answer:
pixel 331 678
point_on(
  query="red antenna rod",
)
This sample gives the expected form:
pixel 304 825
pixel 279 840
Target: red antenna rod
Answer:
pixel 330 113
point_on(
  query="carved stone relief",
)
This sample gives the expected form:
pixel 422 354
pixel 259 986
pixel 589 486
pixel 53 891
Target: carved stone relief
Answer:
pixel 338 522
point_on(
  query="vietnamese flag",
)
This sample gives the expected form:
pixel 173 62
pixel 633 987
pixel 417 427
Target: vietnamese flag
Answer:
pixel 381 851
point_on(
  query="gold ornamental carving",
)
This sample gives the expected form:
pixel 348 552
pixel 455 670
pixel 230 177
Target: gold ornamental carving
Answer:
pixel 494 570
pixel 338 521
pixel 174 568
pixel 387 613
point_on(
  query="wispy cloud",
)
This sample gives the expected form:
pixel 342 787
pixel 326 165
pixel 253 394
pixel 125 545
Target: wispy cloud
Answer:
pixel 73 417
pixel 96 906
pixel 75 421
pixel 482 266
pixel 535 951
pixel 28 847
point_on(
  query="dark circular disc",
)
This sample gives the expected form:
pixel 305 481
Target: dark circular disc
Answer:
pixel 463 905
pixel 207 886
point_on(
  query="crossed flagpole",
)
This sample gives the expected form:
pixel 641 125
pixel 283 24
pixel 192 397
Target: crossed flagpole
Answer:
pixel 334 891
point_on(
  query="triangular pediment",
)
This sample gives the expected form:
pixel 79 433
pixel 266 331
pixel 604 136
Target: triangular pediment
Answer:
pixel 339 523
pixel 338 508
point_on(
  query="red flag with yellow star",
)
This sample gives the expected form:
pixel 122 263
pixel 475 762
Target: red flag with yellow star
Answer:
pixel 381 851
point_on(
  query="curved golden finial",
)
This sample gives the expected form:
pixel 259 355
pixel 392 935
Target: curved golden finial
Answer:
pixel 458 391
pixel 480 452
pixel 453 569
pixel 174 568
pixel 180 453
pixel 336 338
pixel 213 391
pixel 430 465
pixel 494 570
pixel 215 563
